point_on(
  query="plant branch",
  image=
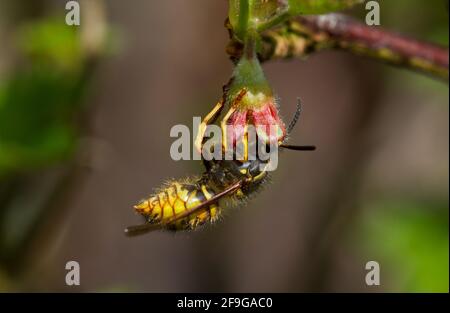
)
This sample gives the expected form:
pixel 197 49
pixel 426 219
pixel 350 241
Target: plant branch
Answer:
pixel 308 34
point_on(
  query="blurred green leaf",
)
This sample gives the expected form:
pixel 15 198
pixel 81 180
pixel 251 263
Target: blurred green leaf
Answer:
pixel 51 42
pixel 39 102
pixel 36 116
pixel 411 240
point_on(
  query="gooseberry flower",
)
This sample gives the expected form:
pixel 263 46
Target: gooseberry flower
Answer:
pixel 252 103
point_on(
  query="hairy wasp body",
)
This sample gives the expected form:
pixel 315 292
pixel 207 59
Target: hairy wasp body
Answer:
pixel 170 208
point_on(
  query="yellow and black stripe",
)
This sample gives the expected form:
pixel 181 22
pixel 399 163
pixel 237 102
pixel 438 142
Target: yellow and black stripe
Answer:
pixel 175 199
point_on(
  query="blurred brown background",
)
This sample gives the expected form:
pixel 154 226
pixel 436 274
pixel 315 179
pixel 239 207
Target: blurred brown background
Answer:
pixel 382 157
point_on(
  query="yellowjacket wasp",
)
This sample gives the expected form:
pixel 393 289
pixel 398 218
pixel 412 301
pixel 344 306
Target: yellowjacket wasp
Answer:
pixel 188 203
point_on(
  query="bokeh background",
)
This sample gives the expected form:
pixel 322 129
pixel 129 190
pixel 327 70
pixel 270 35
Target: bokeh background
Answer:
pixel 85 114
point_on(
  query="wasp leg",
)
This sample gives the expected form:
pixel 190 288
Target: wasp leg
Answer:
pixel 246 143
pixel 227 116
pixel 209 119
pixel 223 125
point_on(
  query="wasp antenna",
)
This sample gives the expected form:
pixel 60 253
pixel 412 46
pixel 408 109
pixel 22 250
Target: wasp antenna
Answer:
pixel 296 116
pixel 141 229
pixel 298 148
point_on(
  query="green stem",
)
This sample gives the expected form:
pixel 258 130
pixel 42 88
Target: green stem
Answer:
pixel 250 45
pixel 274 21
pixel 244 15
pixel 310 34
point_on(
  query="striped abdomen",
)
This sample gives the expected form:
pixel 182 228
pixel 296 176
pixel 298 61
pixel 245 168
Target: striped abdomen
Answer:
pixel 174 199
